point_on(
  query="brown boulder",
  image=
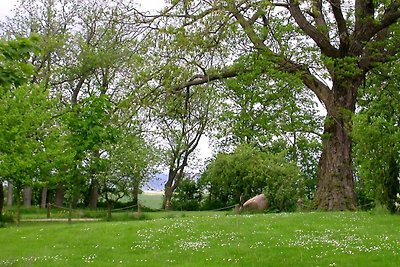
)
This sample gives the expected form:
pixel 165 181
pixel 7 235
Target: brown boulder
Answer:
pixel 257 203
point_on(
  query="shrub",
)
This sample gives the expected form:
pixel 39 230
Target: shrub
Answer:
pixel 248 172
pixel 187 196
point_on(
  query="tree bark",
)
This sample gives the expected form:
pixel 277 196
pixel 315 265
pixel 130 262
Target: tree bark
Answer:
pixel 44 198
pixel 174 178
pixel 335 189
pixel 28 196
pixel 135 194
pixel 168 196
pixel 109 208
pixel 1 199
pixel 59 201
pixel 94 193
pixel 18 205
pixel 10 196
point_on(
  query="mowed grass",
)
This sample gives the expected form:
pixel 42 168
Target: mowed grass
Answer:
pixel 209 239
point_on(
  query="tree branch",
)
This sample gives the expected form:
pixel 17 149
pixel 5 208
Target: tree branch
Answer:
pixel 319 38
pixel 341 25
pixel 366 27
pixel 318 15
pixel 202 79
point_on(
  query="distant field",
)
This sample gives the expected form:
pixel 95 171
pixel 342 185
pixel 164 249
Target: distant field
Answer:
pixel 209 239
pixel 153 200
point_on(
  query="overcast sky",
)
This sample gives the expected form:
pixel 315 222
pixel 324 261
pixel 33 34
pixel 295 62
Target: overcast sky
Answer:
pixel 7 5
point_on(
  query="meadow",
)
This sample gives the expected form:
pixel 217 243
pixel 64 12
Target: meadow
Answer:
pixel 209 239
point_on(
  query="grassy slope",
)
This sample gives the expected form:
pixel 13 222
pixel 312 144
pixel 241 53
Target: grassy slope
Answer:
pixel 299 239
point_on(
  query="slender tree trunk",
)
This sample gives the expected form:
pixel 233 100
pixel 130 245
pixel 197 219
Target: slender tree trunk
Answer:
pixel 75 200
pixel 28 196
pixel 109 208
pixel 336 185
pixel 94 194
pixel 168 196
pixel 10 196
pixel 59 201
pixel 391 184
pixel 135 194
pixel 18 205
pixel 43 201
pixel 1 198
pixel 70 210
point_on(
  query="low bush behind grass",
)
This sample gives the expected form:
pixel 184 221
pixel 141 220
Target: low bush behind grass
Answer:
pixel 210 239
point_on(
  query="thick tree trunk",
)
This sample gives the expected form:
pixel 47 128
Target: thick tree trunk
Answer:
pixel 43 201
pixel 1 198
pixel 28 196
pixel 94 194
pixel 59 201
pixel 336 185
pixel 10 194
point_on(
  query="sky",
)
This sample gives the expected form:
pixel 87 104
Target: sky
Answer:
pixel 7 5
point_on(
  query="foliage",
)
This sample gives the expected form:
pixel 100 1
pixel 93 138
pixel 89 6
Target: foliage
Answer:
pixel 131 162
pixel 248 172
pixel 275 114
pixel 377 138
pixel 88 133
pixel 92 62
pixel 187 196
pixel 259 108
pixel 26 111
pixel 181 119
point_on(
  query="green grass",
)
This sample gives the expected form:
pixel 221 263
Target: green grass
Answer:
pixel 209 239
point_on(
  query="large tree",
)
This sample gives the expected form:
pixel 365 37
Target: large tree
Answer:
pixel 329 45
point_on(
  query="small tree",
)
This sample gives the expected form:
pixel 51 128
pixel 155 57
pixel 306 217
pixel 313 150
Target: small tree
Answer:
pixel 88 131
pixel 181 121
pixel 25 114
pixel 131 162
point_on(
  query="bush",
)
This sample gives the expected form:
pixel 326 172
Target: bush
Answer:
pixel 187 196
pixel 6 218
pixel 248 172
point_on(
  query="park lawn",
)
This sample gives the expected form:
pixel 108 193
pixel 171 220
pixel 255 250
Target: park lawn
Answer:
pixel 209 239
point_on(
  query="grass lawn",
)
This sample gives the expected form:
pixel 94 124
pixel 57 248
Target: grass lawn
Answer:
pixel 209 239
